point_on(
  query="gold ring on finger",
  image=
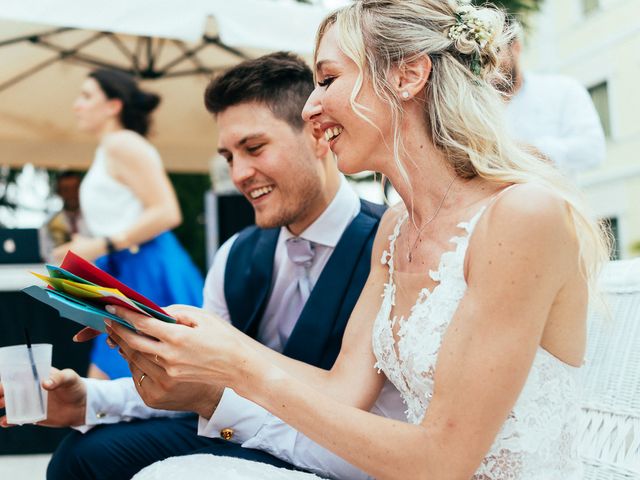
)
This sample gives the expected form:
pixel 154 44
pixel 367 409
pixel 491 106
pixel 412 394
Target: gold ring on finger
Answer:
pixel 142 377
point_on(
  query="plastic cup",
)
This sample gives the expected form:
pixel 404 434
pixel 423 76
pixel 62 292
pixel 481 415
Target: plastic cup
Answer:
pixel 25 399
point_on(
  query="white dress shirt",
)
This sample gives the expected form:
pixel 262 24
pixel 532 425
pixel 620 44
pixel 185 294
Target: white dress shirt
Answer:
pixel 253 426
pixel 555 114
pixel 325 233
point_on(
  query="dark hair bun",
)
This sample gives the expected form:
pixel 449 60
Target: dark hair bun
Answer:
pixel 146 101
pixel 137 104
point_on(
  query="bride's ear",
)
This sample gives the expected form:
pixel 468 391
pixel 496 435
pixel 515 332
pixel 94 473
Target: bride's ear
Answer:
pixel 410 78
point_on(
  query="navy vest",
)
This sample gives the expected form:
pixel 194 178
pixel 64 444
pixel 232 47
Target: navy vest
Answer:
pixel 317 336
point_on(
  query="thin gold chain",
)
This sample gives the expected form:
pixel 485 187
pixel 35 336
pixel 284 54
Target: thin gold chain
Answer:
pixel 421 229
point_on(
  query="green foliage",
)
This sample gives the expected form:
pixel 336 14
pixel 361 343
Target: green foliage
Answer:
pixel 190 189
pixel 518 8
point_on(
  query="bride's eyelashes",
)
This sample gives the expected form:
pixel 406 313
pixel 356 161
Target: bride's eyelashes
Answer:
pixel 326 82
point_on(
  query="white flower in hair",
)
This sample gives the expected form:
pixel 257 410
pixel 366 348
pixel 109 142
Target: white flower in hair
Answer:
pixel 471 26
pixel 464 8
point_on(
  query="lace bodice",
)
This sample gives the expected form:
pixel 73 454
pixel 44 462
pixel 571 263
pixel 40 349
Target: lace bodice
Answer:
pixel 538 439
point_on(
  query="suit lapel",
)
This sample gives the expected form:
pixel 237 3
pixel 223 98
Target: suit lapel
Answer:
pixel 258 280
pixel 312 331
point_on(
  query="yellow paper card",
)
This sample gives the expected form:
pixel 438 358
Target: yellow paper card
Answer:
pixel 91 292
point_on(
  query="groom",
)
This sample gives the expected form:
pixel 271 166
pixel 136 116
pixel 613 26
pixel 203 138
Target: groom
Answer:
pixel 291 283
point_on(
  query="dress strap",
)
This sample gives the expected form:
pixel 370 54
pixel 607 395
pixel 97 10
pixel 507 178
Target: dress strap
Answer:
pixel 497 195
pixel 471 224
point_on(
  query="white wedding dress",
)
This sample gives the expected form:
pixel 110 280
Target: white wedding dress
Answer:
pixel 211 467
pixel 538 441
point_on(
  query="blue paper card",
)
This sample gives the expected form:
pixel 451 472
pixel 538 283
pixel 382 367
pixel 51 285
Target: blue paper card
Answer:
pixel 74 309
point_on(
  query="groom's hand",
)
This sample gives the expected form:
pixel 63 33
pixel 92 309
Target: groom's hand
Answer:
pixel 66 403
pixel 161 391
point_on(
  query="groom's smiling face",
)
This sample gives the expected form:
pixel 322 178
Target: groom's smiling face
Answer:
pixel 273 164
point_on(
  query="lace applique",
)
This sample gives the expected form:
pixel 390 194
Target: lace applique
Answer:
pixel 387 259
pixel 538 439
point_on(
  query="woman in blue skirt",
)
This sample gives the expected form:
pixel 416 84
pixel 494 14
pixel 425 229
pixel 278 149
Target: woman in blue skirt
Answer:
pixel 129 205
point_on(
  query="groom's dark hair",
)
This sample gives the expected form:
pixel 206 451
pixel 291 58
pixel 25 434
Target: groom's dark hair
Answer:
pixel 282 81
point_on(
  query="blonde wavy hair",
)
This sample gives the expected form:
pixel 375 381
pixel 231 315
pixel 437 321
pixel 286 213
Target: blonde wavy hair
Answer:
pixel 463 111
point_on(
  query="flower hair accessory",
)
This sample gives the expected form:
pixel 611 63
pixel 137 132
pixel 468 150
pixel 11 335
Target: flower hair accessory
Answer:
pixel 471 27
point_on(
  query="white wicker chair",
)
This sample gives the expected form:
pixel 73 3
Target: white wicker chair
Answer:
pixel 610 427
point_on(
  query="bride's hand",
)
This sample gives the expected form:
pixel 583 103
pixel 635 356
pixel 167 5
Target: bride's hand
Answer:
pixel 199 347
pixel 187 314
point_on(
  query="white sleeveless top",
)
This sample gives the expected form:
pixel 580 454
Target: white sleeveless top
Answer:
pixel 108 206
pixel 539 438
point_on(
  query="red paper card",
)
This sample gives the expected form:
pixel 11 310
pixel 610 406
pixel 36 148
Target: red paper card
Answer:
pixel 83 269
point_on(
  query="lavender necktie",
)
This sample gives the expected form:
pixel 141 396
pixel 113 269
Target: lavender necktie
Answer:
pixel 300 252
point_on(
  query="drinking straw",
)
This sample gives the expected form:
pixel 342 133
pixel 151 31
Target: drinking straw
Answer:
pixel 34 370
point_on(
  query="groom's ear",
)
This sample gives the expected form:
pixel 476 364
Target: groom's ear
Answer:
pixel 320 145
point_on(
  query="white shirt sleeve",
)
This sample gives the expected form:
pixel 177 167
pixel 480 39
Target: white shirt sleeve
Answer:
pixel 113 401
pixel 235 412
pixel 254 427
pixel 580 143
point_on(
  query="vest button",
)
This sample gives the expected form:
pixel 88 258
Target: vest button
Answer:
pixel 226 433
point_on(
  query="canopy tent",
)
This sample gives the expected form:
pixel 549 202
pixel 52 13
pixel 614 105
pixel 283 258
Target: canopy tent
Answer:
pixel 48 46
pixel 269 24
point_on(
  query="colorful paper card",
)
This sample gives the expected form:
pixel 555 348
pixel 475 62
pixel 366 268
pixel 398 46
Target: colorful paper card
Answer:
pixel 68 307
pixel 106 296
pixel 89 272
pixel 80 292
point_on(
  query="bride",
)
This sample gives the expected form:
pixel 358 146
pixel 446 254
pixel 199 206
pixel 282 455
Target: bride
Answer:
pixel 476 302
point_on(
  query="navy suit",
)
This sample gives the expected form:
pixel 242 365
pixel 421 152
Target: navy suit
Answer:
pixel 121 450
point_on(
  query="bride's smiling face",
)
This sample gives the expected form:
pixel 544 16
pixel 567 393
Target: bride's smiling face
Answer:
pixel 356 142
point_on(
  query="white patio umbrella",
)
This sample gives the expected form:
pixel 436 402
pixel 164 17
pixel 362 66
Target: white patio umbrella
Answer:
pixel 48 46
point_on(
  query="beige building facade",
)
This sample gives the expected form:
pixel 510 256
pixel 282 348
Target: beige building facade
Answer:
pixel 597 42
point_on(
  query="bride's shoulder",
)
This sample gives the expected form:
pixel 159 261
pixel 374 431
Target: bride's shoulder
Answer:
pixel 529 202
pixel 391 219
pixel 527 213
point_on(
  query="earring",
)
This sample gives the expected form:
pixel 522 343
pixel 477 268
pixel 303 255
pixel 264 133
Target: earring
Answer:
pixel 405 95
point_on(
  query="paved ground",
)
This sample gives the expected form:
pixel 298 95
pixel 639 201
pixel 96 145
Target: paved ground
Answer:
pixel 23 467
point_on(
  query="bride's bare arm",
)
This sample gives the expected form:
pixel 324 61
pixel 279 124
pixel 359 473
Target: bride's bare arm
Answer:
pixel 188 353
pixel 520 261
pixel 516 272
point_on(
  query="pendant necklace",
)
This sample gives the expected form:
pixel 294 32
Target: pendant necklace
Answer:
pixel 410 254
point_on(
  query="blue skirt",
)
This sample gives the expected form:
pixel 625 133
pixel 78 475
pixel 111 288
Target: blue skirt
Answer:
pixel 162 271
